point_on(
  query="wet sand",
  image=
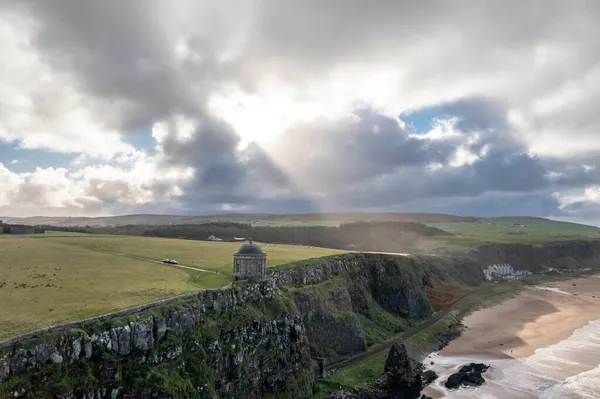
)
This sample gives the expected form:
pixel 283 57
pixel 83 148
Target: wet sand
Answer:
pixel 537 318
pixel 534 319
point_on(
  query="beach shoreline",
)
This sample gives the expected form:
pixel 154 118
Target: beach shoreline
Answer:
pixel 533 319
pixel 512 331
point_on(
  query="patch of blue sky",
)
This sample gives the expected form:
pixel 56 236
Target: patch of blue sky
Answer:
pixel 20 160
pixel 422 120
pixel 141 140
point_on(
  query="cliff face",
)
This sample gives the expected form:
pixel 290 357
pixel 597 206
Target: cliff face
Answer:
pixel 249 340
pixel 348 302
pixel 246 341
pixel 569 254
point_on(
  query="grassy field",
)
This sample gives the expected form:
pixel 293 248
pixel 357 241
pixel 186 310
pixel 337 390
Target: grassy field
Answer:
pixel 509 230
pixel 55 278
pixel 202 254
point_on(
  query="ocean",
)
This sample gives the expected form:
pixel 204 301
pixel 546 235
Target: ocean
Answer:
pixel 567 370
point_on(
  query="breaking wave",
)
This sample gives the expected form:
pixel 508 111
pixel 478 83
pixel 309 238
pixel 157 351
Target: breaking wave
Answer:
pixel 567 370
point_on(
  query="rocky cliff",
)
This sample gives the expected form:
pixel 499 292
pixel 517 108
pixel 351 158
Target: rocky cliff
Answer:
pixel 348 302
pixel 568 254
pixel 247 341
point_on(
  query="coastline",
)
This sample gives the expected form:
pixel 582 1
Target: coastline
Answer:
pixel 533 319
pixel 511 333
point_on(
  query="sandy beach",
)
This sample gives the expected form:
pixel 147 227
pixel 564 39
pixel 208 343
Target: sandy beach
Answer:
pixel 534 319
pixel 511 335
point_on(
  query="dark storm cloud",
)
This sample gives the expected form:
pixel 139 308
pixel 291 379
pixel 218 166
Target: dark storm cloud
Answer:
pixel 123 54
pixel 120 53
pixel 364 162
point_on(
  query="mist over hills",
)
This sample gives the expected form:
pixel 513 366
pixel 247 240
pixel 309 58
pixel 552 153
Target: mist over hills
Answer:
pixel 252 218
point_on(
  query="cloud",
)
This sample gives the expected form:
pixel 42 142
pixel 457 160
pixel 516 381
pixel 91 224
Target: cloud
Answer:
pixel 302 105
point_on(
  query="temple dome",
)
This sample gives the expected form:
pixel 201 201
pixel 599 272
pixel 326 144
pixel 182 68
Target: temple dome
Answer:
pixel 250 249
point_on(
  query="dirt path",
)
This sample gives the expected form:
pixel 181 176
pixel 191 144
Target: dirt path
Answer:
pixel 141 258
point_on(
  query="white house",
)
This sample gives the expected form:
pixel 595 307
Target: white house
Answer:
pixel 503 270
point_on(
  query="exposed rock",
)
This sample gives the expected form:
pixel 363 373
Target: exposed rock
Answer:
pixel 401 379
pixel 75 350
pixel 27 359
pixel 245 340
pixel 333 330
pixel 4 365
pixel 207 348
pixel 143 336
pixel 428 376
pixel 398 361
pixel 121 340
pixel 426 397
pixel 160 328
pixel 468 375
pixel 330 305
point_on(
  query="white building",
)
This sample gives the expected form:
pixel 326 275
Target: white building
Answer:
pixel 503 270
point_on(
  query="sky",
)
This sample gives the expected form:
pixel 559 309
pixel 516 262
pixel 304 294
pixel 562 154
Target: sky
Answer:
pixel 480 108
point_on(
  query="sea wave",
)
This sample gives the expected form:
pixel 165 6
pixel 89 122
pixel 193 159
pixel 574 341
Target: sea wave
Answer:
pixel 569 369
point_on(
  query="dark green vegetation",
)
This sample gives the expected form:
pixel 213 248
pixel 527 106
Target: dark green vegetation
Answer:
pixel 422 338
pixel 257 219
pixel 256 340
pixel 355 307
pixel 256 343
pixel 366 236
pixel 202 347
pixel 378 232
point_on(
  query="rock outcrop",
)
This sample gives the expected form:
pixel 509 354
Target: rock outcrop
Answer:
pixel 341 297
pixel 247 341
pixel 402 379
pixel 468 375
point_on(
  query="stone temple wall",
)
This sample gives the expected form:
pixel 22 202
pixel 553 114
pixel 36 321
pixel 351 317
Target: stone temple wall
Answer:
pixel 250 267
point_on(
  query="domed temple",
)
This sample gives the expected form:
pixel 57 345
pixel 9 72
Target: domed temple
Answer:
pixel 249 263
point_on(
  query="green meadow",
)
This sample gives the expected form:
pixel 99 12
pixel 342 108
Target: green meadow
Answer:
pixel 59 277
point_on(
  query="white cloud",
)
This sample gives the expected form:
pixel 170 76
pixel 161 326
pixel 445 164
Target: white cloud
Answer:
pixel 44 108
pixel 68 84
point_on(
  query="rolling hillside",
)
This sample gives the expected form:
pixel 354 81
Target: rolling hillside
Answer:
pixel 324 219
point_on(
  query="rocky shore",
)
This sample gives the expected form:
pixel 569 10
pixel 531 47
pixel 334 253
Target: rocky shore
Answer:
pixel 468 375
pixel 402 379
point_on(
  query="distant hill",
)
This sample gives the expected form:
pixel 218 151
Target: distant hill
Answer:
pixel 315 219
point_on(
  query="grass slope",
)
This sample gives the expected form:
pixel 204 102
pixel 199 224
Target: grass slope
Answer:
pixel 202 254
pixel 258 219
pixel 508 230
pixel 56 278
